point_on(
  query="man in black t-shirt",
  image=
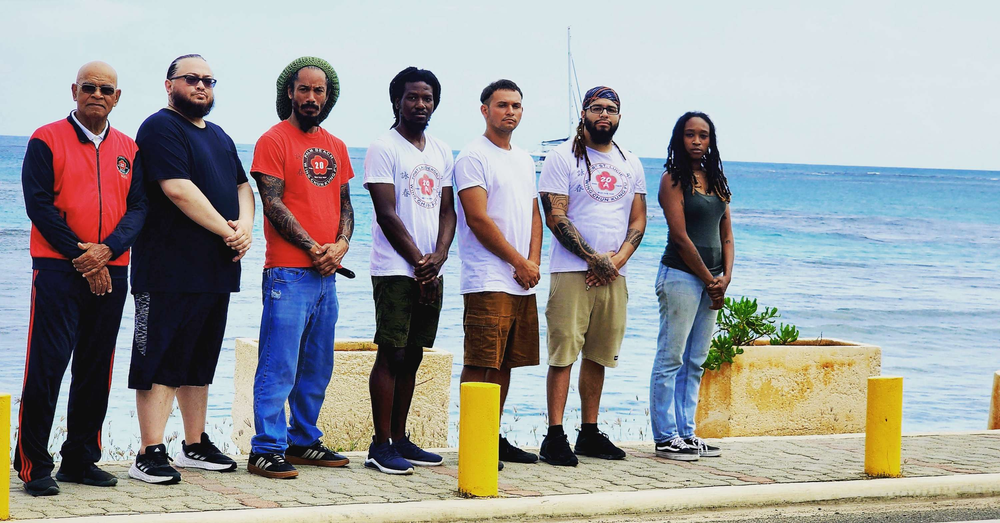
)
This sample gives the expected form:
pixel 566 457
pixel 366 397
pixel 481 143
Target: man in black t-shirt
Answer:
pixel 186 263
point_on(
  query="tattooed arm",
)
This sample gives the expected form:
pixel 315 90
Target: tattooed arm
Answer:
pixel 717 291
pixel 272 189
pixel 636 228
pixel 600 265
pixel 333 253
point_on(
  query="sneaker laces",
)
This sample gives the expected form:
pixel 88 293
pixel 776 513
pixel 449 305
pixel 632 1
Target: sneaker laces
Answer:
pixel 278 458
pixel 678 442
pixel 698 443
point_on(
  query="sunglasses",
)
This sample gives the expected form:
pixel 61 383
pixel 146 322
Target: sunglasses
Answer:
pixel 193 80
pixel 106 90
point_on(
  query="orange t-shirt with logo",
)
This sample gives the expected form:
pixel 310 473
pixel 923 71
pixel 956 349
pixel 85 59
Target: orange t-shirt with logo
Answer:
pixel 314 166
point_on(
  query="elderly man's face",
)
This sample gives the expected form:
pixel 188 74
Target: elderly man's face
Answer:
pixel 96 92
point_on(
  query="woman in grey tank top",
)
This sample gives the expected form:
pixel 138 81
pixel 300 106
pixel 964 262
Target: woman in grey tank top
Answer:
pixel 694 274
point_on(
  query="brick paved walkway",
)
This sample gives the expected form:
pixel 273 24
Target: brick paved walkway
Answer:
pixel 744 462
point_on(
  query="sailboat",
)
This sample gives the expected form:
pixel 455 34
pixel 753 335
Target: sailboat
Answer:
pixel 574 100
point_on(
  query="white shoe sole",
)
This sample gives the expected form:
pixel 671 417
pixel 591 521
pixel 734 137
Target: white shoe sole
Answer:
pixel 426 463
pixel 183 461
pixel 135 473
pixel 374 464
pixel 676 457
pixel 711 454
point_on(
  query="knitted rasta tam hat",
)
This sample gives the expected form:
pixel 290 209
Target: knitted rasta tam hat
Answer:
pixel 284 104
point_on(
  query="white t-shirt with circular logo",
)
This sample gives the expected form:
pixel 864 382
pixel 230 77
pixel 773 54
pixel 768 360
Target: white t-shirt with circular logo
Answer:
pixel 418 177
pixel 599 203
pixel 509 180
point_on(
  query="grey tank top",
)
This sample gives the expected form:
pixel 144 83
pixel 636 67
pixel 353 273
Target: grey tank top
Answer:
pixel 702 216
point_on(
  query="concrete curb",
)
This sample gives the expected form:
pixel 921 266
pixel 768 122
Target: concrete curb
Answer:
pixel 588 505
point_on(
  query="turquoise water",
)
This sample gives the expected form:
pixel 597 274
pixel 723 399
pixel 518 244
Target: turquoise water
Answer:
pixel 902 258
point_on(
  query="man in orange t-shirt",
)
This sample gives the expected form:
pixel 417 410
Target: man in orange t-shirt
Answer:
pixel 302 175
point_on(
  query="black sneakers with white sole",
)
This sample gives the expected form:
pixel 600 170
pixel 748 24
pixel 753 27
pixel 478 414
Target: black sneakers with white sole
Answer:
pixel 153 466
pixel 676 449
pixel 204 455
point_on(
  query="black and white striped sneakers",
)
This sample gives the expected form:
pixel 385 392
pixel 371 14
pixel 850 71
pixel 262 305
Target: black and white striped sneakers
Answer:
pixel 204 455
pixel 153 466
pixel 270 465
pixel 316 455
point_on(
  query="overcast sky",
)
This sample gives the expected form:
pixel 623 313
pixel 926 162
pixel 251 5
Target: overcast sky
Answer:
pixel 912 84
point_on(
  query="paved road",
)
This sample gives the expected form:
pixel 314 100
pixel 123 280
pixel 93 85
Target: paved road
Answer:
pixel 744 462
pixel 981 510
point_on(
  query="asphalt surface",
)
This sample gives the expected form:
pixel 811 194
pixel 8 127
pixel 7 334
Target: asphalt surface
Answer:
pixel 908 511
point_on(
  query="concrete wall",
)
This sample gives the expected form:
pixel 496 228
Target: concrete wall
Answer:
pixel 810 387
pixel 346 416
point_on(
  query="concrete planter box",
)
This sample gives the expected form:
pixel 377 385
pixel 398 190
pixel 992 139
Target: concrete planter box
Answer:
pixel 346 416
pixel 809 387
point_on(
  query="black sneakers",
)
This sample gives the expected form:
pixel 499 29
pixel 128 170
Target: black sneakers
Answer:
pixel 90 475
pixel 704 449
pixel 270 465
pixel 44 486
pixel 555 451
pixel 315 454
pixel 677 449
pixel 513 454
pixel 204 455
pixel 153 466
pixel 597 445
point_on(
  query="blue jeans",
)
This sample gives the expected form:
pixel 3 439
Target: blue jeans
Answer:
pixel 686 328
pixel 294 357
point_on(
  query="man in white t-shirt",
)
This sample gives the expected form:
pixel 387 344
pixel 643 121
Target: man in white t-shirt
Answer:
pixel 409 175
pixel 594 196
pixel 500 243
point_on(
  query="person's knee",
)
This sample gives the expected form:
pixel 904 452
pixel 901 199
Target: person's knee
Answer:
pixel 412 358
pixel 393 359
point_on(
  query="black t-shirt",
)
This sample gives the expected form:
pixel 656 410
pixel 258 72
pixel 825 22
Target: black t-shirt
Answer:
pixel 173 253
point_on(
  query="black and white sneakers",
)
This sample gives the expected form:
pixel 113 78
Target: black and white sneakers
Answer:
pixel 704 449
pixel 271 465
pixel 677 449
pixel 316 454
pixel 153 466
pixel 204 455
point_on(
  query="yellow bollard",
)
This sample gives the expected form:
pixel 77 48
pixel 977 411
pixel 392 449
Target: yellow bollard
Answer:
pixel 5 452
pixel 884 427
pixel 994 421
pixel 478 439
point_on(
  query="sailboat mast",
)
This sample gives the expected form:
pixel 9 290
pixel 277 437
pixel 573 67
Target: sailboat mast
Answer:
pixel 569 81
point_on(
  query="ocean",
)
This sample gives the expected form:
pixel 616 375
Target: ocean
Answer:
pixel 902 258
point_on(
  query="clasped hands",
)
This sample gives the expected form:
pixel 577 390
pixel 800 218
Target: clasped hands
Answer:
pixel 93 265
pixel 241 238
pixel 602 269
pixel 426 273
pixel 717 291
pixel 326 258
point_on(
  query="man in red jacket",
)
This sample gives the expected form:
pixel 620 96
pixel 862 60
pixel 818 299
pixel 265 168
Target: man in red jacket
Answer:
pixel 83 193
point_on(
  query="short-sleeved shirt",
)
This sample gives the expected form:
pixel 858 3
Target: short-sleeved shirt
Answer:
pixel 600 202
pixel 418 177
pixel 173 253
pixel 509 179
pixel 313 166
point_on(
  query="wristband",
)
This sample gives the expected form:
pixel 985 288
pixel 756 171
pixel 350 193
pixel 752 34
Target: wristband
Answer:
pixel 346 239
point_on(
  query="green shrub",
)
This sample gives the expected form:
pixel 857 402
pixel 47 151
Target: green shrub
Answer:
pixel 741 324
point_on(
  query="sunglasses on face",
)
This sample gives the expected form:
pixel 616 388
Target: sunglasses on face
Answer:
pixel 106 90
pixel 193 80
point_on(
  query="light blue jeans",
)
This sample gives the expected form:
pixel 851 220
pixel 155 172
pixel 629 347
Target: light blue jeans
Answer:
pixel 686 328
pixel 294 357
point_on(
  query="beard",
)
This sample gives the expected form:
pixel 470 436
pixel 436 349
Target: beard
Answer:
pixel 600 136
pixel 306 121
pixel 415 127
pixel 190 108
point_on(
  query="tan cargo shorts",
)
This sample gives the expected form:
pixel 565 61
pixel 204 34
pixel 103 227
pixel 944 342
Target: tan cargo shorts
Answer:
pixel 588 321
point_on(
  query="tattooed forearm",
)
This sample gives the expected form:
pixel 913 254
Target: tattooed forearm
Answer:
pixel 271 190
pixel 570 238
pixel 346 213
pixel 634 236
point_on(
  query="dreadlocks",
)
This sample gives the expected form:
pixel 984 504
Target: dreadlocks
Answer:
pixel 679 164
pixel 411 74
pixel 580 140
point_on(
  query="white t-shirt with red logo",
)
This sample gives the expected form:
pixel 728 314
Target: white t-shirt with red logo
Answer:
pixel 509 179
pixel 418 177
pixel 599 202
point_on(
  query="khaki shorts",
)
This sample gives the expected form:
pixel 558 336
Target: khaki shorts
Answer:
pixel 501 330
pixel 589 321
